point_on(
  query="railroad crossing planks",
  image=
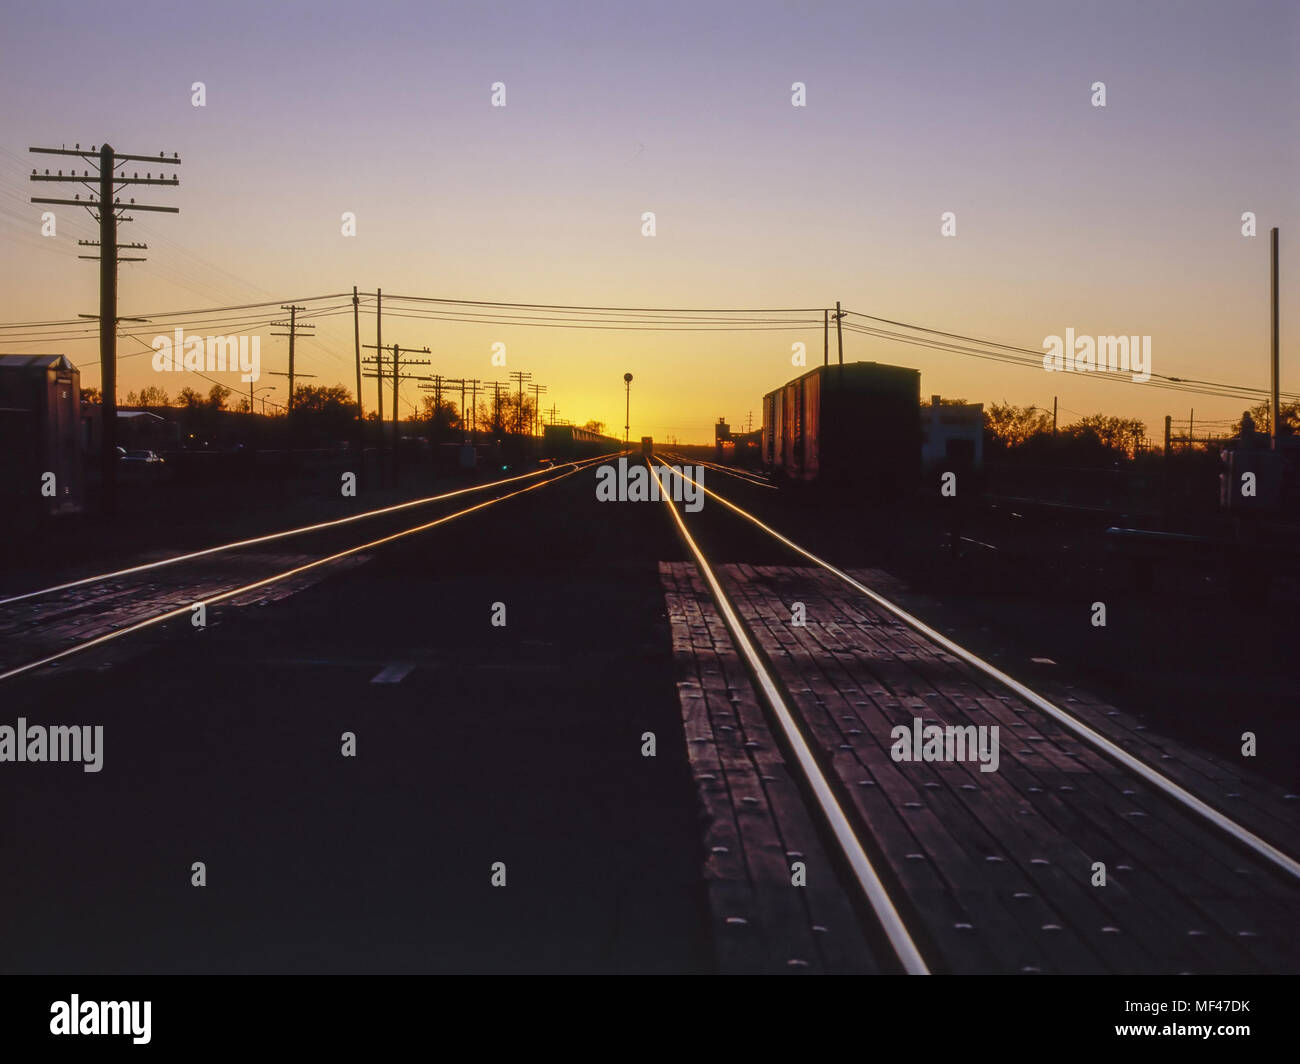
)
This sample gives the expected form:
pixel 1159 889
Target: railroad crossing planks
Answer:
pixel 997 867
pixel 757 828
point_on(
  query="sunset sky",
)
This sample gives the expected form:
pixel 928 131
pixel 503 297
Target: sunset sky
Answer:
pixel 1123 219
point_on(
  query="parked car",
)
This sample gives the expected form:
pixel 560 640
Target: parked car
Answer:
pixel 140 465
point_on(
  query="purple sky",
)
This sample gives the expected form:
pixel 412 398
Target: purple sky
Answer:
pixel 1117 220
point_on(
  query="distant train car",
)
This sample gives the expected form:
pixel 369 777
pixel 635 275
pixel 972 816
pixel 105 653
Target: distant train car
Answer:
pixel 647 446
pixel 570 441
pixel 854 429
pixel 40 437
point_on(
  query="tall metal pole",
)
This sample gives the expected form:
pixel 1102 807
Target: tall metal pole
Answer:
pixel 379 375
pixel 356 342
pixel 379 355
pixel 627 410
pixel 1274 406
pixel 826 337
pixel 839 331
pixel 108 328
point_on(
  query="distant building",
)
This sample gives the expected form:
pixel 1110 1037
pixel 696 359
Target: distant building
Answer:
pixel 952 432
pixel 136 430
pixel 722 444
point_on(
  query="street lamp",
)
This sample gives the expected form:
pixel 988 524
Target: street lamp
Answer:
pixel 268 388
pixel 627 410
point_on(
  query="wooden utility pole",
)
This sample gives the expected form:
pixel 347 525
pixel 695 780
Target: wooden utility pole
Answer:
pixel 293 327
pixel 436 388
pixel 522 378
pixel 108 211
pixel 398 362
pixel 379 347
pixel 826 337
pixel 398 377
pixel 356 343
pixel 473 383
pixel 1054 417
pixel 537 390
pixel 1275 404
pixel 839 331
pixel 277 373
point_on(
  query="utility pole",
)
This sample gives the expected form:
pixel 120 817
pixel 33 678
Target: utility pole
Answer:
pixel 436 388
pixel 1191 427
pixel 1054 417
pixel 293 327
pixel 398 377
pixel 1275 404
pixel 473 383
pixel 398 362
pixel 378 346
pixel 521 377
pixel 108 210
pixel 356 342
pixel 537 390
pixel 839 331
pixel 277 373
pixel 826 337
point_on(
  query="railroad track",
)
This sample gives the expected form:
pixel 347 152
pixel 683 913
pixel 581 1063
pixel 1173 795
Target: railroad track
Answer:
pixel 1091 847
pixel 41 628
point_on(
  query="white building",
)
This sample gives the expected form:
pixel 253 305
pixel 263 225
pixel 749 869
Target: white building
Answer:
pixel 952 432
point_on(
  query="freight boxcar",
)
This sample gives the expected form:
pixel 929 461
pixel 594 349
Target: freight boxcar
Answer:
pixel 852 429
pixel 40 437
